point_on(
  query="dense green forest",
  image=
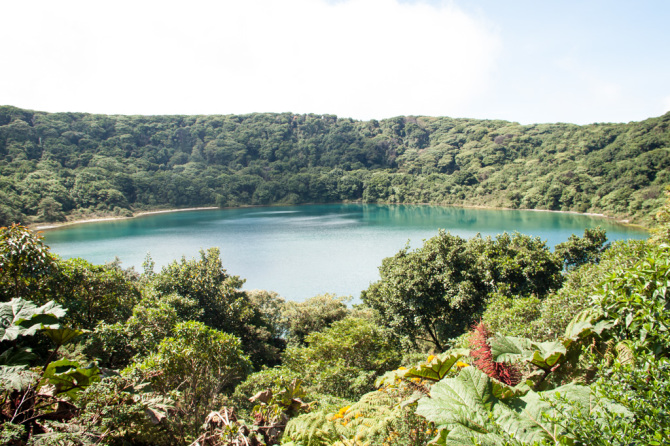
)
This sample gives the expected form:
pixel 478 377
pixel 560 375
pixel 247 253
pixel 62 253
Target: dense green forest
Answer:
pixel 70 165
pixel 481 341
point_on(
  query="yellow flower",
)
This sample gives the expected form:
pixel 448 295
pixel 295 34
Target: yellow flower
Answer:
pixel 343 411
pixel 462 364
pixel 430 358
pixel 402 368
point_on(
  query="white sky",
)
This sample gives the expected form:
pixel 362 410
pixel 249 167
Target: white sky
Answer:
pixel 520 60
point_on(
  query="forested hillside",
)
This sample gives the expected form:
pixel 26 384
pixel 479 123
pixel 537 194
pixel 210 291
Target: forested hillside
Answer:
pixel 68 165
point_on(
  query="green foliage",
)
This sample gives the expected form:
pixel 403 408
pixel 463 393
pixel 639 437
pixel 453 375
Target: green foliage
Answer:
pixel 512 315
pixel 434 369
pixel 24 260
pixel 20 317
pixel 544 355
pixel 636 299
pixel 518 264
pixel 435 292
pixel 11 433
pixel 581 250
pixel 62 336
pixel 467 409
pixel 77 164
pixel 275 408
pixel 92 293
pixel 312 429
pixel 547 318
pixel 312 315
pixel 207 282
pixel 344 359
pixel 376 416
pixel 152 320
pixel 661 230
pixel 641 389
pixel 15 377
pixel 274 378
pixel 69 377
pixel 406 428
pixel 222 304
pixel 198 363
pixel 270 308
pixel 115 411
pixel 30 397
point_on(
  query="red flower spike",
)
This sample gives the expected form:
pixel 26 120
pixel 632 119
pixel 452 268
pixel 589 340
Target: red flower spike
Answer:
pixel 483 359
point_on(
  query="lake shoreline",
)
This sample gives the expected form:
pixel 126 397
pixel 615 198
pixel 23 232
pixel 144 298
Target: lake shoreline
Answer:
pixel 58 225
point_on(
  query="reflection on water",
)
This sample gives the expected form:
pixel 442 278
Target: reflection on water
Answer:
pixel 301 251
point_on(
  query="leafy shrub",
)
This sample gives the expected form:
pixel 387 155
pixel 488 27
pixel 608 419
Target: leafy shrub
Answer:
pixel 313 315
pixel 436 292
pixel 637 299
pixel 642 392
pixel 344 359
pixel 194 366
pixel 512 315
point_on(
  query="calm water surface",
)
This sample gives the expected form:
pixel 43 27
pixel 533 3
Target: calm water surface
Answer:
pixel 303 251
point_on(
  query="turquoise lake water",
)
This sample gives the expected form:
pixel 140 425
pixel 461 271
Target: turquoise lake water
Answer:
pixel 302 251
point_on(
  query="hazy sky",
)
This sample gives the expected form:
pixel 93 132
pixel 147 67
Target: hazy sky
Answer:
pixel 527 61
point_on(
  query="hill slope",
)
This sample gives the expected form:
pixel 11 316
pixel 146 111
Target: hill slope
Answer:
pixel 59 165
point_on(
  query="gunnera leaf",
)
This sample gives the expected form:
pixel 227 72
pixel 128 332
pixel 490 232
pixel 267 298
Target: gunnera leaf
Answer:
pixel 20 317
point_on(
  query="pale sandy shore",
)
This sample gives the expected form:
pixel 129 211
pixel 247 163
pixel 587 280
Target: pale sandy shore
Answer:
pixel 41 227
pixel 623 221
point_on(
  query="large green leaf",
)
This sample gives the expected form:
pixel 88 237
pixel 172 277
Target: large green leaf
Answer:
pixel 534 412
pixel 583 325
pixel 466 410
pixel 436 369
pixel 61 336
pixel 70 377
pixel 15 377
pixel 547 354
pixel 463 402
pixel 504 392
pixel 20 317
pixel 510 348
pixel 544 355
pixel 17 357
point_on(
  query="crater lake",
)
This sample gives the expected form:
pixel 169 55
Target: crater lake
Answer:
pixel 302 251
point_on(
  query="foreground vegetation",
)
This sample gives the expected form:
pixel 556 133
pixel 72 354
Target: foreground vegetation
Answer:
pixel 489 341
pixel 55 166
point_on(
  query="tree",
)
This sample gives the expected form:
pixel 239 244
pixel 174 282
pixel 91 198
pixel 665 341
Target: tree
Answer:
pixel 50 210
pixel 345 358
pixel 313 315
pixel 662 230
pixel 580 250
pixel 153 319
pixel 199 362
pixel 224 306
pixel 92 293
pixel 434 293
pixel 207 282
pixel 24 261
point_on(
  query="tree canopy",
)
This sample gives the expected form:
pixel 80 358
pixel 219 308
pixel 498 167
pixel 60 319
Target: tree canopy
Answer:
pixel 435 292
pixel 68 165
